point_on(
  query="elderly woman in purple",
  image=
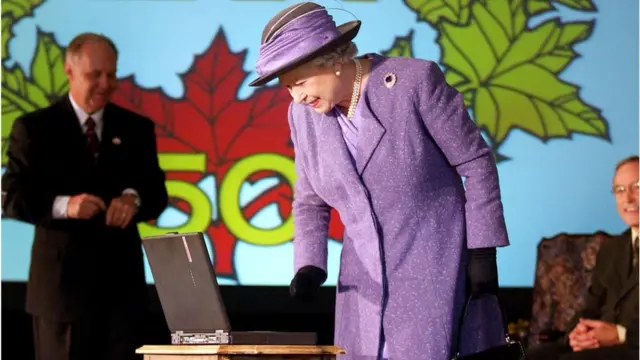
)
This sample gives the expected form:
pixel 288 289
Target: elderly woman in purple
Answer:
pixel 386 142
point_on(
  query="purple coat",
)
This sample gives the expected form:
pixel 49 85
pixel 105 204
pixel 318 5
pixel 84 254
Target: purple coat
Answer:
pixel 408 219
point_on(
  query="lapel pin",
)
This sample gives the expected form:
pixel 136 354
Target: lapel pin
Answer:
pixel 116 141
pixel 390 80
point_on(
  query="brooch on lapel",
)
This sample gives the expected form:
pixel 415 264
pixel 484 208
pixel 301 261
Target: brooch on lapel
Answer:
pixel 390 80
pixel 116 141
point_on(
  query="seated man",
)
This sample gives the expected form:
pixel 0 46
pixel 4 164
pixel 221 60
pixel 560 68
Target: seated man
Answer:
pixel 607 327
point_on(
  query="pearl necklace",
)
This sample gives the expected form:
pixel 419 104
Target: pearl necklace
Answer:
pixel 355 95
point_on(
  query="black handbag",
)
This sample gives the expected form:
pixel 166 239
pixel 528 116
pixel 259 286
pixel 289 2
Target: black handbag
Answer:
pixel 511 350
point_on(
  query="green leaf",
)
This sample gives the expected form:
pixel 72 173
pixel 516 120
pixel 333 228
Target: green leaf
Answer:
pixel 402 46
pixel 434 11
pixel 7 23
pixel 583 5
pixel 549 45
pixel 508 15
pixel 536 7
pixel 12 12
pixel 533 99
pixel 483 41
pixel 510 77
pixel 47 67
pixel 21 95
pixel 19 8
pixel 455 79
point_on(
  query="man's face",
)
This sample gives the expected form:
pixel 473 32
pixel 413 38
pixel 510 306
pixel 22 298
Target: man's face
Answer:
pixel 625 189
pixel 92 75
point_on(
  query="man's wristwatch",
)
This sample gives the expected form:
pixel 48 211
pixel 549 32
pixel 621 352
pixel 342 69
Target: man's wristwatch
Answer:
pixel 136 198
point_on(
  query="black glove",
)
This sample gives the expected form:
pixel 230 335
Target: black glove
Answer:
pixel 306 282
pixel 482 273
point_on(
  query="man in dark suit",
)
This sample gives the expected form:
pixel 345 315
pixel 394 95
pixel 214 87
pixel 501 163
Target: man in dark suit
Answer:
pixel 85 171
pixel 607 326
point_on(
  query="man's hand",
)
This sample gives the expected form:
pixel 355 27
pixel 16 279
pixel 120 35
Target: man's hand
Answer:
pixel 121 211
pixel 606 333
pixel 84 206
pixel 580 338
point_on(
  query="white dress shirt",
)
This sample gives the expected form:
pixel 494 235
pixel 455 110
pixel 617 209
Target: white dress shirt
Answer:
pixel 61 202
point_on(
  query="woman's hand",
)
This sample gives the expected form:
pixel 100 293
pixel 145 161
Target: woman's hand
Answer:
pixel 306 282
pixel 482 272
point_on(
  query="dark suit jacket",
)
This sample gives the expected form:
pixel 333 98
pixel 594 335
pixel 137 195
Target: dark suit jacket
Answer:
pixel 613 294
pixel 79 265
pixel 633 336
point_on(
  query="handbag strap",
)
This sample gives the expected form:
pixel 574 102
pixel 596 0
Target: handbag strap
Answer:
pixel 457 339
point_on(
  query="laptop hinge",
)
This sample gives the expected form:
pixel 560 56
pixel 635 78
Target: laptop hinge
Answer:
pixel 219 337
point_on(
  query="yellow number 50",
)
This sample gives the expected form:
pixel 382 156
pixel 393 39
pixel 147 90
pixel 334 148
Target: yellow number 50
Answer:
pixel 197 199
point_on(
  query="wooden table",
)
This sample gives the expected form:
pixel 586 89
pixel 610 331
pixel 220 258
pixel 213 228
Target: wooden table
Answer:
pixel 239 352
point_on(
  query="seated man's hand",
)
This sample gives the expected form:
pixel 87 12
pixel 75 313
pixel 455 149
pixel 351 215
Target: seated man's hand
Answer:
pixel 606 333
pixel 121 211
pixel 580 338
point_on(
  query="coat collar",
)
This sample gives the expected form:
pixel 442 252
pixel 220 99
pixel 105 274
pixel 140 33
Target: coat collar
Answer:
pixel 372 129
pixel 83 115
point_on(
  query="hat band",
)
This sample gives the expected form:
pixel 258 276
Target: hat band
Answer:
pixel 297 38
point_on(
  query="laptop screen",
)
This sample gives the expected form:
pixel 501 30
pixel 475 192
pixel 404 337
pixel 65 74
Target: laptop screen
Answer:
pixel 186 283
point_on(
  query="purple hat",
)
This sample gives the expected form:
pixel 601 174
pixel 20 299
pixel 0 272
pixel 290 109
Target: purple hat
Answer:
pixel 297 35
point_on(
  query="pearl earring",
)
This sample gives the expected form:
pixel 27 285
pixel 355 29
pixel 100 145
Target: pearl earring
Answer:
pixel 338 73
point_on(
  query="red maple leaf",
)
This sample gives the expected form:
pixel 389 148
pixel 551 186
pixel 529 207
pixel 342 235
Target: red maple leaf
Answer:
pixel 209 118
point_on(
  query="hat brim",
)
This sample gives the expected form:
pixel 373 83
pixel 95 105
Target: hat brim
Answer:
pixel 348 31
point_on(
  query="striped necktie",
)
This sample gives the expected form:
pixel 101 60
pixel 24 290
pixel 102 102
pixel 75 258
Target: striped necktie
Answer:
pixel 92 137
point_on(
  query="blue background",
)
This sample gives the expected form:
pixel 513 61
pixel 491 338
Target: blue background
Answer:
pixel 558 186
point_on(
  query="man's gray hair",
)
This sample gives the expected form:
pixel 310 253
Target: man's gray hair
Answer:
pixel 75 46
pixel 342 54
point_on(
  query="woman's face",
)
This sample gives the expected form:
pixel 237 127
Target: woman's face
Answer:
pixel 315 85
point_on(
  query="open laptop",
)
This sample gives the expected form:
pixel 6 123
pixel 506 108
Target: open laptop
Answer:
pixel 190 297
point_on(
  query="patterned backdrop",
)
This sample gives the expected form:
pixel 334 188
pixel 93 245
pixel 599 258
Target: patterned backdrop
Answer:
pixel 553 84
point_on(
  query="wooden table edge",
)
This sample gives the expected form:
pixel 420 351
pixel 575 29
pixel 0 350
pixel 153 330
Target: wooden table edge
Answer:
pixel 240 350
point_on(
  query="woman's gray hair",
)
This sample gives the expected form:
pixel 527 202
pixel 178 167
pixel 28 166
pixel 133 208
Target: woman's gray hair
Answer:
pixel 342 54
